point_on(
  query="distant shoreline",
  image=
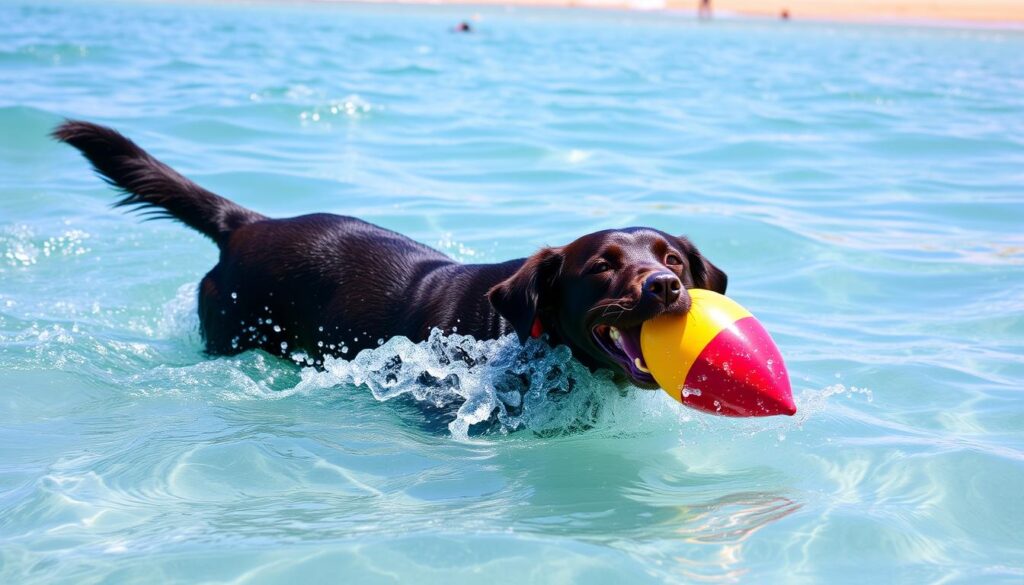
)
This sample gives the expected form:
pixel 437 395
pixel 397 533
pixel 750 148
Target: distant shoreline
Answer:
pixel 903 11
pixel 985 13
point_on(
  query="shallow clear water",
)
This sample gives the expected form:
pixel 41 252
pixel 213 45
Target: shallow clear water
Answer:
pixel 862 186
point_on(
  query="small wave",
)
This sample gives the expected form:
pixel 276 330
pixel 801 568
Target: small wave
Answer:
pixel 352 107
pixel 44 54
pixel 20 247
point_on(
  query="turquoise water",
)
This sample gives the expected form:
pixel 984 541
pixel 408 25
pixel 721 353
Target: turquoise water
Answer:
pixel 861 185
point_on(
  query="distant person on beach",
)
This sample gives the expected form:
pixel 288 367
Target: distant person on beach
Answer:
pixel 704 10
pixel 785 14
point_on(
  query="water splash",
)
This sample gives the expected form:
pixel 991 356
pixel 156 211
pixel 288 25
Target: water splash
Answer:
pixel 489 386
pixel 179 317
pixel 813 402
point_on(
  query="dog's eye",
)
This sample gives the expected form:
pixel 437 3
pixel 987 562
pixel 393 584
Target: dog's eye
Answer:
pixel 673 260
pixel 600 266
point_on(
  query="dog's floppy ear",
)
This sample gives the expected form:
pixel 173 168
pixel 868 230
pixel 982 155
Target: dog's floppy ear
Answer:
pixel 705 274
pixel 522 297
pixel 712 278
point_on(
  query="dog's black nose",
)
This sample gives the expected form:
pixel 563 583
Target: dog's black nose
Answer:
pixel 664 286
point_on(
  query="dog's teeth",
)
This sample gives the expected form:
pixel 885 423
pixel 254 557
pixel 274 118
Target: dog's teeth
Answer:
pixel 616 338
pixel 640 365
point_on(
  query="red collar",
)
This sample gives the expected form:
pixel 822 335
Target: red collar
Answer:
pixel 537 330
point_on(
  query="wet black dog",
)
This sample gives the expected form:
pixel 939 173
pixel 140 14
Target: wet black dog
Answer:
pixel 320 282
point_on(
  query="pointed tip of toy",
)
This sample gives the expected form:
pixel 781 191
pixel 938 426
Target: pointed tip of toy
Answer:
pixel 782 405
pixel 787 405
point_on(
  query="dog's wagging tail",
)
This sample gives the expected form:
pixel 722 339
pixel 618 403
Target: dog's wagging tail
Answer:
pixel 152 187
pixel 326 284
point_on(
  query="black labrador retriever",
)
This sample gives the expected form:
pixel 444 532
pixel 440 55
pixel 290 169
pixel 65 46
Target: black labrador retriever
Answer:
pixel 321 282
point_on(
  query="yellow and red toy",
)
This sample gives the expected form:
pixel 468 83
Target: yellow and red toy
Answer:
pixel 717 358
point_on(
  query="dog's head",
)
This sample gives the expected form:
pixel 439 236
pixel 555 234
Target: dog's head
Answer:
pixel 595 293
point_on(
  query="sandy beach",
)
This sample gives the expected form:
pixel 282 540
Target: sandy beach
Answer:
pixel 922 11
pixel 968 10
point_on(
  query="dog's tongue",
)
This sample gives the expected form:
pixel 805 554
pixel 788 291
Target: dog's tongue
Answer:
pixel 631 343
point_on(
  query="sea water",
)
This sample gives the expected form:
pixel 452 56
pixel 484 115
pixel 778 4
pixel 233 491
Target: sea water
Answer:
pixel 863 186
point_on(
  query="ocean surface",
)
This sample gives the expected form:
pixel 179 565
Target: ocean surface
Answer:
pixel 862 186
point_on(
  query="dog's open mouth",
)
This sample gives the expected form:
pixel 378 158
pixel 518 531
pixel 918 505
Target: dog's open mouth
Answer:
pixel 622 344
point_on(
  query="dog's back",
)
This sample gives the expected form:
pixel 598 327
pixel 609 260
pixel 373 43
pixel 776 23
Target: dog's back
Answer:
pixel 321 283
